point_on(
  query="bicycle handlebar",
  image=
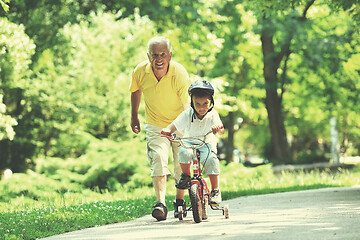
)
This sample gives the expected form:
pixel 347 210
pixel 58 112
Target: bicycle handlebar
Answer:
pixel 191 144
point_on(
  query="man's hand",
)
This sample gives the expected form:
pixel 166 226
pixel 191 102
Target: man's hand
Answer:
pixel 135 102
pixel 217 129
pixel 135 125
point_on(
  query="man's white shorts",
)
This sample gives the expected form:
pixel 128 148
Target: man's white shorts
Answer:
pixel 158 149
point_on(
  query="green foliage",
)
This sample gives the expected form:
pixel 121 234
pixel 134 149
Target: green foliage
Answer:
pixel 48 221
pixel 16 49
pixel 313 157
pixel 72 210
pixel 33 187
pixel 237 178
pixel 15 55
pixel 6 123
pixel 320 87
pixel 105 165
pixel 82 84
pixel 86 51
pixel 4 5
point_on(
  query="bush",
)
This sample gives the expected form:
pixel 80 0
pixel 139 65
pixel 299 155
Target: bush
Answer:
pixel 106 164
pixel 33 186
pixel 312 157
pixel 16 50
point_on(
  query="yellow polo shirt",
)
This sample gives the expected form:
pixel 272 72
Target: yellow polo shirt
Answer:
pixel 164 99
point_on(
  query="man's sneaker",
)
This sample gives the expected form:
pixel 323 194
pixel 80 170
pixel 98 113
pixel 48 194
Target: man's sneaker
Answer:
pixel 160 211
pixel 183 182
pixel 179 202
pixel 215 197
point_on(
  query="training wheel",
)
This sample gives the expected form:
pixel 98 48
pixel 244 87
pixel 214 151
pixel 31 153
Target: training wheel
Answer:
pixel 181 212
pixel 226 211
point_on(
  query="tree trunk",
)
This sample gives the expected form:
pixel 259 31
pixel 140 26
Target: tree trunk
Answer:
pixel 230 140
pixel 273 101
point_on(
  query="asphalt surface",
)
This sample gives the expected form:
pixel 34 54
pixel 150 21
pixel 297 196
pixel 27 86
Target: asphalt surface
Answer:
pixel 330 213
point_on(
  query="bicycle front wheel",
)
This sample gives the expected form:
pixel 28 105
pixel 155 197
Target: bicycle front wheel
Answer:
pixel 204 207
pixel 195 198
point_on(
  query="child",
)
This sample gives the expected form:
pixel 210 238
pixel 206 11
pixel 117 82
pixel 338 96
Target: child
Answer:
pixel 197 121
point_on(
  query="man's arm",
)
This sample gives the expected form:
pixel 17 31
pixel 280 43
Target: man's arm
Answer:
pixel 135 103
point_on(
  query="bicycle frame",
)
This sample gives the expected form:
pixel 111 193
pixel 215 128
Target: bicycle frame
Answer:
pixel 198 190
pixel 196 179
pixel 197 175
pixel 197 172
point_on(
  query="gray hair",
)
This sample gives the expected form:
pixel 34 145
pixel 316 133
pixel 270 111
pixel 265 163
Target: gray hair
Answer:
pixel 156 40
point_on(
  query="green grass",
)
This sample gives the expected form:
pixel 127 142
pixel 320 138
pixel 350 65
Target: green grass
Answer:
pixel 43 222
pixel 23 218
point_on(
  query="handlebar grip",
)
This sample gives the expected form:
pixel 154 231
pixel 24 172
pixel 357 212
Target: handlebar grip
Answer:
pixel 171 138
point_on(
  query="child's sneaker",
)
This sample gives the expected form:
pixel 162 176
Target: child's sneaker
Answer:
pixel 183 182
pixel 179 202
pixel 215 198
pixel 160 211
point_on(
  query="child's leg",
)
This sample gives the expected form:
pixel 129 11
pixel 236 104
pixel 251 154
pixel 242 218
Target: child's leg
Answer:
pixel 185 157
pixel 215 196
pixel 214 180
pixel 185 163
pixel 211 165
pixel 185 167
pixel 212 169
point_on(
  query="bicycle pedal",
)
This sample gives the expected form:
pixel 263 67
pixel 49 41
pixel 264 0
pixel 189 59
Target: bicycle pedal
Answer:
pixel 214 204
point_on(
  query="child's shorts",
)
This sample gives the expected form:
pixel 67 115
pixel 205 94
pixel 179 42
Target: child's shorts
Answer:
pixel 208 159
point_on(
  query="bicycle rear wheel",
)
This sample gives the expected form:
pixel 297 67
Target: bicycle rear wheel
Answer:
pixel 181 212
pixel 195 199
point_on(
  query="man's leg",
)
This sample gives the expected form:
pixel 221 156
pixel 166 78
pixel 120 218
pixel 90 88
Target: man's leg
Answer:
pixel 160 188
pixel 179 198
pixel 160 209
pixel 158 152
pixel 177 169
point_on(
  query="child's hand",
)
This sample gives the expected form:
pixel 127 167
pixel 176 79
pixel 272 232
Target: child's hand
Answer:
pixel 217 129
pixel 166 132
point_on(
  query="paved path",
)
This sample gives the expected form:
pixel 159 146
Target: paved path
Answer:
pixel 332 213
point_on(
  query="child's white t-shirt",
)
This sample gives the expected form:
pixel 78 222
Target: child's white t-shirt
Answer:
pixel 188 124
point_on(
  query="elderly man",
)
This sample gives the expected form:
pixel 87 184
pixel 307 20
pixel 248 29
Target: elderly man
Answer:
pixel 164 84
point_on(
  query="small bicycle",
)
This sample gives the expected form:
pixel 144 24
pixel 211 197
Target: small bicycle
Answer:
pixel 198 190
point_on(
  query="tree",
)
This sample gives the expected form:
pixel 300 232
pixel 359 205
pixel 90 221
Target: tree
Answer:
pixel 234 66
pixel 15 58
pixel 275 57
pixel 6 122
pixel 4 5
pixel 328 80
pixel 283 27
pixel 82 84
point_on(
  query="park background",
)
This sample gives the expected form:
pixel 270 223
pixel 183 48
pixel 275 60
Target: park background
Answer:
pixel 282 71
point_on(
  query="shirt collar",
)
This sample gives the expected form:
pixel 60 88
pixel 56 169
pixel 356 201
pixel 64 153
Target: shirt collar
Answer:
pixel 193 115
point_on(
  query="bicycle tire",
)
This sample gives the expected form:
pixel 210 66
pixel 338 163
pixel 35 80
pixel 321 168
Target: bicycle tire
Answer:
pixel 226 211
pixel 195 202
pixel 181 212
pixel 204 208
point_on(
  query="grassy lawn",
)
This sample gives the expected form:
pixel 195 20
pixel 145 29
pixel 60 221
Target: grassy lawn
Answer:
pixel 22 218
